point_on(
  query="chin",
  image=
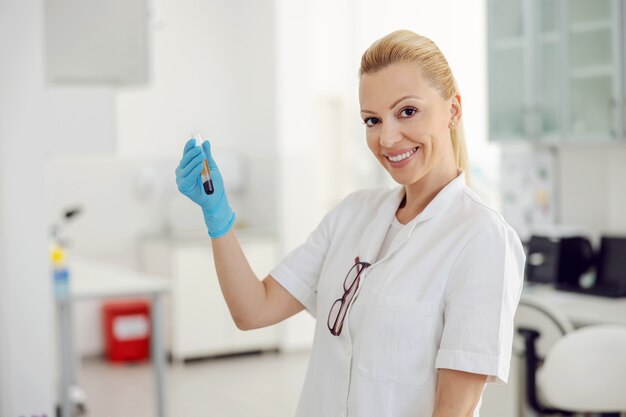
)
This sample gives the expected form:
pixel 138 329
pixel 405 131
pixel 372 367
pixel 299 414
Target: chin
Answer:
pixel 405 180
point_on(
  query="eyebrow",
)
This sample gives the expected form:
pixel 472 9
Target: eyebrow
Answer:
pixel 394 104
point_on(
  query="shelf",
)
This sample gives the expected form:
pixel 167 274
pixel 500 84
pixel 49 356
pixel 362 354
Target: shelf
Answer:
pixel 591 71
pixel 507 138
pixel 592 138
pixel 548 137
pixel 591 26
pixel 508 43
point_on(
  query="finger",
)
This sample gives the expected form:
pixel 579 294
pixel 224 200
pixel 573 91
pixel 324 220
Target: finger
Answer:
pixel 188 183
pixel 187 186
pixel 195 173
pixel 190 174
pixel 190 144
pixel 198 160
pixel 189 156
pixel 206 147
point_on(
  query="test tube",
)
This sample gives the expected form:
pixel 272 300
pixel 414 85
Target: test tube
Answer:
pixel 207 182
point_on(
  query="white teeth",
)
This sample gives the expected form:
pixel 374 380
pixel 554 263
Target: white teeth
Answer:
pixel 401 157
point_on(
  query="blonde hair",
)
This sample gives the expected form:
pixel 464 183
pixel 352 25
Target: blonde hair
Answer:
pixel 404 46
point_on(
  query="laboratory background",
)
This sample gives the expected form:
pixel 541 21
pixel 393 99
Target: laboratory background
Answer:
pixel 109 300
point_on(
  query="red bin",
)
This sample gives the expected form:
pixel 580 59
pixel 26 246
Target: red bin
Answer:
pixel 127 328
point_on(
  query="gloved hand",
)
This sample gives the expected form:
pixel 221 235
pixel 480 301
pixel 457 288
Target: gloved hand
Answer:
pixel 218 216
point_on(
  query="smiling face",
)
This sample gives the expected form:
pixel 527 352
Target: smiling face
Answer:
pixel 408 124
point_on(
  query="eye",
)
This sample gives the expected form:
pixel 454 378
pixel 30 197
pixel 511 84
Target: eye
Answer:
pixel 408 111
pixel 371 121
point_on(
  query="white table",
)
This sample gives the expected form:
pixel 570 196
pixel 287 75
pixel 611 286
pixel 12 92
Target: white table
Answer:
pixel 582 309
pixel 91 279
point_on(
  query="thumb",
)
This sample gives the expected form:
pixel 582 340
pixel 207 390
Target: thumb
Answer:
pixel 206 147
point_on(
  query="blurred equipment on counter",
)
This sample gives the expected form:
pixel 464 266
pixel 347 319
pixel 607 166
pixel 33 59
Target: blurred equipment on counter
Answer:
pixel 57 229
pixel 570 263
pixel 558 259
pixel 611 267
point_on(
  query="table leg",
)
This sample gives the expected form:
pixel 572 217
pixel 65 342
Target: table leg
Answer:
pixel 65 349
pixel 158 353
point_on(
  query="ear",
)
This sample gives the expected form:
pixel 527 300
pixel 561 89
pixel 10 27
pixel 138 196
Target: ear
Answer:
pixel 456 111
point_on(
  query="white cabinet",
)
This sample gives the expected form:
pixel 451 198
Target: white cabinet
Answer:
pixel 592 72
pixel 200 324
pixel 556 70
pixel 509 48
pixel 525 49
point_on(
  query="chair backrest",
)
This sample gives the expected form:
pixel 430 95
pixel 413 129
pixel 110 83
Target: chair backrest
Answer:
pixel 534 313
pixel 586 371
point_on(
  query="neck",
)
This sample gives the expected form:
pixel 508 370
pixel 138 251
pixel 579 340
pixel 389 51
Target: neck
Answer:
pixel 418 195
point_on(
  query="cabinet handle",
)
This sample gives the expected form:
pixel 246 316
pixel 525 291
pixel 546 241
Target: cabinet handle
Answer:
pixel 623 117
pixel 617 122
pixel 531 120
pixel 527 120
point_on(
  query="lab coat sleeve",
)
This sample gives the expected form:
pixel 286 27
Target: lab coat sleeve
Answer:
pixel 300 270
pixel 481 298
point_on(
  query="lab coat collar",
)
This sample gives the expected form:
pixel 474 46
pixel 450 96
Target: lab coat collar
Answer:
pixel 442 200
pixel 376 230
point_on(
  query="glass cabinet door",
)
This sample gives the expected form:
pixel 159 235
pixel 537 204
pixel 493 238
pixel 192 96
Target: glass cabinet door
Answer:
pixel 547 91
pixel 508 48
pixel 592 37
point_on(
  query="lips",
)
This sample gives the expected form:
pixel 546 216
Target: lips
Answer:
pixel 402 156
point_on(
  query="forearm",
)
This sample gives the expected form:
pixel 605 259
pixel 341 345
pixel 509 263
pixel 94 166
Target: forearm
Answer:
pixel 458 393
pixel 242 290
pixel 245 295
pixel 451 411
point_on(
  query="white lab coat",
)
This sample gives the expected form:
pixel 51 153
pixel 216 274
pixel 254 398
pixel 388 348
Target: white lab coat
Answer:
pixel 444 296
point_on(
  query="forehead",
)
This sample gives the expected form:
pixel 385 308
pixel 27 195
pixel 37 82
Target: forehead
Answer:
pixel 395 81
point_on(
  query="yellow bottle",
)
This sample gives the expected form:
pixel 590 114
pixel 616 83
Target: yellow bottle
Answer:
pixel 60 273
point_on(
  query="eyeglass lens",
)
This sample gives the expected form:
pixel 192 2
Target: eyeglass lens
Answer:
pixel 340 306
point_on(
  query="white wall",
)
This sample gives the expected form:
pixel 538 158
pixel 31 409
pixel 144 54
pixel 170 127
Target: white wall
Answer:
pixel 26 363
pixel 616 195
pixel 36 122
pixel 25 292
pixel 591 191
pixel 300 202
pixel 212 70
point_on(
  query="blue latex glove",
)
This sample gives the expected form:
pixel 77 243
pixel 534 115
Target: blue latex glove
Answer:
pixel 218 216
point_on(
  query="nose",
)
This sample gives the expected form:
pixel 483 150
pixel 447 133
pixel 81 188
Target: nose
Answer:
pixel 390 134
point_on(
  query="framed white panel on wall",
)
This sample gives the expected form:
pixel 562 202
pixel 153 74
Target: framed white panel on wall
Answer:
pixel 528 187
pixel 96 41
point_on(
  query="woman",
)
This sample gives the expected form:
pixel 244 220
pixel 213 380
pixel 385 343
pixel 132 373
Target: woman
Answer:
pixel 414 289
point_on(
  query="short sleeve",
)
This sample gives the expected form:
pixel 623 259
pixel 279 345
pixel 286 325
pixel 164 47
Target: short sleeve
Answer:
pixel 300 270
pixel 482 293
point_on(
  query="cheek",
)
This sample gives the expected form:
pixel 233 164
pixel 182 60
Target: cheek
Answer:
pixel 420 130
pixel 441 142
pixel 435 128
pixel 372 140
